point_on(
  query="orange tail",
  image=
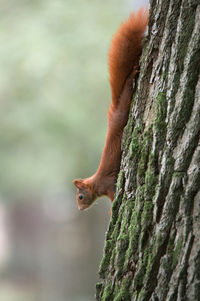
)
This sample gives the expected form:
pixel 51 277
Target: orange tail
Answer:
pixel 125 50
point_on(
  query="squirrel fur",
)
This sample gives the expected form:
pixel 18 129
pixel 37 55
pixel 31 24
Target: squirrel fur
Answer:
pixel 123 60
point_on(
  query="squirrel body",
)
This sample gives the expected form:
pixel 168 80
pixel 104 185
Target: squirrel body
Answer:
pixel 123 60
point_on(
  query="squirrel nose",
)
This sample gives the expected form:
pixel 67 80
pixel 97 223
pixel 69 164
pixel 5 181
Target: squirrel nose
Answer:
pixel 81 207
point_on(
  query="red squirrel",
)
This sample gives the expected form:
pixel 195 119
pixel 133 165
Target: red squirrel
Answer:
pixel 123 60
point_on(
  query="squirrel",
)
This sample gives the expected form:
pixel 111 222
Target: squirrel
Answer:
pixel 123 60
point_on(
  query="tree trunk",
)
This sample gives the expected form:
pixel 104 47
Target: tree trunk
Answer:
pixel 152 248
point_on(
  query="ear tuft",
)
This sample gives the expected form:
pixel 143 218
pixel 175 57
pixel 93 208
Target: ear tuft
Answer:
pixel 79 183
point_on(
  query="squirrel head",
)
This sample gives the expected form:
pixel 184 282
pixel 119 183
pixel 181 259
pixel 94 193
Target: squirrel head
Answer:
pixel 85 197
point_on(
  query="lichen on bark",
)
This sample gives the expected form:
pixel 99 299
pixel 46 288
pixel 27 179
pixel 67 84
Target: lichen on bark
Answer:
pixel 152 247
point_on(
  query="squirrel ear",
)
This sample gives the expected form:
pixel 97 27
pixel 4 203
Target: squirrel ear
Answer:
pixel 79 184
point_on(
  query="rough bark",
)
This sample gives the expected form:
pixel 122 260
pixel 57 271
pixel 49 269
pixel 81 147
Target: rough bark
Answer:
pixel 152 248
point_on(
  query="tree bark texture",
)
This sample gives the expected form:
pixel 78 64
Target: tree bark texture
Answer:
pixel 152 248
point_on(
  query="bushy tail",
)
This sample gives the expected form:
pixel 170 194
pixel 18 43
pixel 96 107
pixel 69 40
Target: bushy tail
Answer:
pixel 125 51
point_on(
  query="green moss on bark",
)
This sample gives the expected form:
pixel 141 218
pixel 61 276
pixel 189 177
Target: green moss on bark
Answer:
pixel 123 290
pixel 176 252
pixel 160 124
pixel 107 294
pixel 108 249
pixel 135 146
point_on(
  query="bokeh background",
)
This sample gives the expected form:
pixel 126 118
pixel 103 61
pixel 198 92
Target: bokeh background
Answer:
pixel 54 94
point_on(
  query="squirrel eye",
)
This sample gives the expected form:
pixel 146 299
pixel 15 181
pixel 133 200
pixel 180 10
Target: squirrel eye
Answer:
pixel 80 196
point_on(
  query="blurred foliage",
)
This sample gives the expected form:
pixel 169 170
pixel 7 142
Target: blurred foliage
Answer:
pixel 54 95
pixel 54 90
pixel 13 294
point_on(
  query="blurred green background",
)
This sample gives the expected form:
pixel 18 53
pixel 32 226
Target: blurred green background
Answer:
pixel 54 95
